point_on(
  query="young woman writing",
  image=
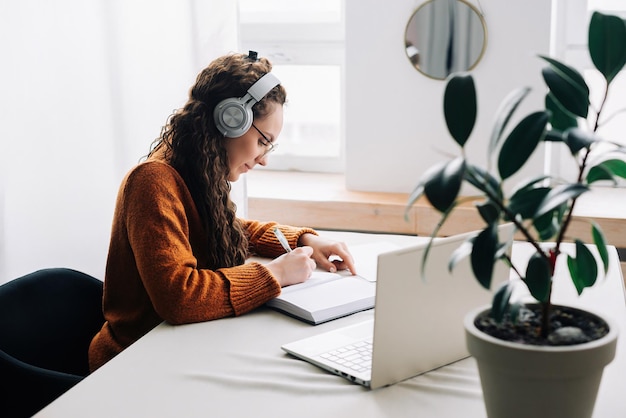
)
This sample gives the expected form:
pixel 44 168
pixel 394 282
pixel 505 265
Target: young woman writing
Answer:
pixel 177 251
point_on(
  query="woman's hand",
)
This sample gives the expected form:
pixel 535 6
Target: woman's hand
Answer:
pixel 329 255
pixel 293 267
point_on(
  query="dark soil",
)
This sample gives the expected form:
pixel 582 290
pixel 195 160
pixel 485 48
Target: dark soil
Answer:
pixel 568 326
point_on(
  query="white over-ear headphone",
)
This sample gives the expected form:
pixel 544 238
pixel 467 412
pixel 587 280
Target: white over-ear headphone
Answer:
pixel 233 116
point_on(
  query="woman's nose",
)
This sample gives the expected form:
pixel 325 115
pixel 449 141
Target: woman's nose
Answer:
pixel 262 160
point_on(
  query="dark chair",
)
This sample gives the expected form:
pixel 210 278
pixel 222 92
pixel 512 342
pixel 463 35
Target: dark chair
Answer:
pixel 47 320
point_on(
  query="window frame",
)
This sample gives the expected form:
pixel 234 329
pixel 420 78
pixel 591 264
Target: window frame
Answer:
pixel 307 43
pixel 569 44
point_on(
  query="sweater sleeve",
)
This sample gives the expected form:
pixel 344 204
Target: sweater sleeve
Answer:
pixel 159 220
pixel 264 243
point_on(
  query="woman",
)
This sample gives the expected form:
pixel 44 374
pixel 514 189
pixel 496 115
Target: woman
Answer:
pixel 177 251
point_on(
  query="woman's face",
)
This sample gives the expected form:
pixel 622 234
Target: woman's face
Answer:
pixel 250 149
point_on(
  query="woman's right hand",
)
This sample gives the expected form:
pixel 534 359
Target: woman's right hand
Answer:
pixel 293 267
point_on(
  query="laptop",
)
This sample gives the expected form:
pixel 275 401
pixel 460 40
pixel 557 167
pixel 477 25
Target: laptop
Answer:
pixel 418 321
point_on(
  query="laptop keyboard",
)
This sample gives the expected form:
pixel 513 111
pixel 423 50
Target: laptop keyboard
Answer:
pixel 356 356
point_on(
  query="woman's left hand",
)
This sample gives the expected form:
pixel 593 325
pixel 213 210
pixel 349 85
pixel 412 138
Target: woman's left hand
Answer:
pixel 329 255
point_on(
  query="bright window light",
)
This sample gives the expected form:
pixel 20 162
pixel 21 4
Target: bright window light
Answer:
pixel 289 11
pixel 312 126
pixel 305 41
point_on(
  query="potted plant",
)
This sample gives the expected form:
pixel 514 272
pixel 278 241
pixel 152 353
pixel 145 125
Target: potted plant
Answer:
pixel 520 346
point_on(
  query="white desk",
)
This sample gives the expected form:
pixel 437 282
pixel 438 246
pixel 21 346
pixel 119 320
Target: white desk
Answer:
pixel 234 367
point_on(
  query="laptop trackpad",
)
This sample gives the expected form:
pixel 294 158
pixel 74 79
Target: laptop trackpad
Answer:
pixel 330 340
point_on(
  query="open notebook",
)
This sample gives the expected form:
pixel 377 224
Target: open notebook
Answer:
pixel 326 296
pixel 418 321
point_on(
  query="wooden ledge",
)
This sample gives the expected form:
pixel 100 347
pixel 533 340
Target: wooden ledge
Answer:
pixel 321 201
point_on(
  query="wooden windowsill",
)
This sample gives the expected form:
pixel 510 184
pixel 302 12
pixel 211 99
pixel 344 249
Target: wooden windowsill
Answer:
pixel 321 201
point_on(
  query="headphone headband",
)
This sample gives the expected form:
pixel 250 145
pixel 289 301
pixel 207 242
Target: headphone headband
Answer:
pixel 263 86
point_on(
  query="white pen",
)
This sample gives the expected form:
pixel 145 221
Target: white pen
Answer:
pixel 283 240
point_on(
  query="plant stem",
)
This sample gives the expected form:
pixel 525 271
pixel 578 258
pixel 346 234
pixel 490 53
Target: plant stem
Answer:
pixel 606 95
pixel 546 307
pixel 529 238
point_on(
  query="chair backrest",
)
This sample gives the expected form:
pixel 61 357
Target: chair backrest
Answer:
pixel 47 321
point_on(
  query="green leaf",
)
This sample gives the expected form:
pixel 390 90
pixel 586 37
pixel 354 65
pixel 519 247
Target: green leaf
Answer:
pixel 504 113
pixel 607 44
pixel 607 170
pixel 526 201
pixel 577 139
pixel 599 241
pixel 483 180
pixel 525 206
pixel 418 191
pixel 439 225
pixel 514 311
pixel 538 277
pixel 500 301
pixel 459 107
pixel 489 211
pixel 616 167
pixel 565 93
pixel 560 195
pixel 569 73
pixel 547 225
pixel 599 173
pixel 583 268
pixel 483 254
pixel 567 86
pixel 505 248
pixel 461 252
pixel 443 187
pixel 554 135
pixel 521 143
pixel 560 118
pixel 531 183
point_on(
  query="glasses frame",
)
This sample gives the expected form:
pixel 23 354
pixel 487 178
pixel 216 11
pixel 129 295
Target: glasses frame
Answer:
pixel 270 146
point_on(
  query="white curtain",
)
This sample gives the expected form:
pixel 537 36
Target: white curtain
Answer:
pixel 85 86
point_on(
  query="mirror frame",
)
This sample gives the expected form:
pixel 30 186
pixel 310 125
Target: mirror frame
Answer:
pixel 473 9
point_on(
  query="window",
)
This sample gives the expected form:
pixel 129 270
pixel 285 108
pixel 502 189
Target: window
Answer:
pixel 571 45
pixel 570 25
pixel 304 39
pixel 613 130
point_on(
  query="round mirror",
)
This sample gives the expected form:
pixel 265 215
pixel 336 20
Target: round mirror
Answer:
pixel 444 37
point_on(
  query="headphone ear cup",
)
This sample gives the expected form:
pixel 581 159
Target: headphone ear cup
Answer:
pixel 233 117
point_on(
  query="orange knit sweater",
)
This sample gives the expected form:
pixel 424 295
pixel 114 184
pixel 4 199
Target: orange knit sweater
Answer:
pixel 156 267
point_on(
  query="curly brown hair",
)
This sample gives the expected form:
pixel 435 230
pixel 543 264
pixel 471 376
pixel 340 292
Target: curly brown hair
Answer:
pixel 191 143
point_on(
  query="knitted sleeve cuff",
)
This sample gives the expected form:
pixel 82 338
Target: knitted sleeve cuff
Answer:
pixel 251 285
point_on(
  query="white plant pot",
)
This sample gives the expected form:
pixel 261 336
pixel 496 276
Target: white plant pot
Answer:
pixel 520 380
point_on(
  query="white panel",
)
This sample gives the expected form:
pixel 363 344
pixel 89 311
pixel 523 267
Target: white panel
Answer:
pixel 395 127
pixel 86 86
pixel 59 190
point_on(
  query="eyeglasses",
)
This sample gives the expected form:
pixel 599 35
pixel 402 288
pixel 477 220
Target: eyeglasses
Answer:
pixel 270 146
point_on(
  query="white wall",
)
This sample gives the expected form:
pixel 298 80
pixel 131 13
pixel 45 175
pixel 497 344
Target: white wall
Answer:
pixel 395 127
pixel 86 86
